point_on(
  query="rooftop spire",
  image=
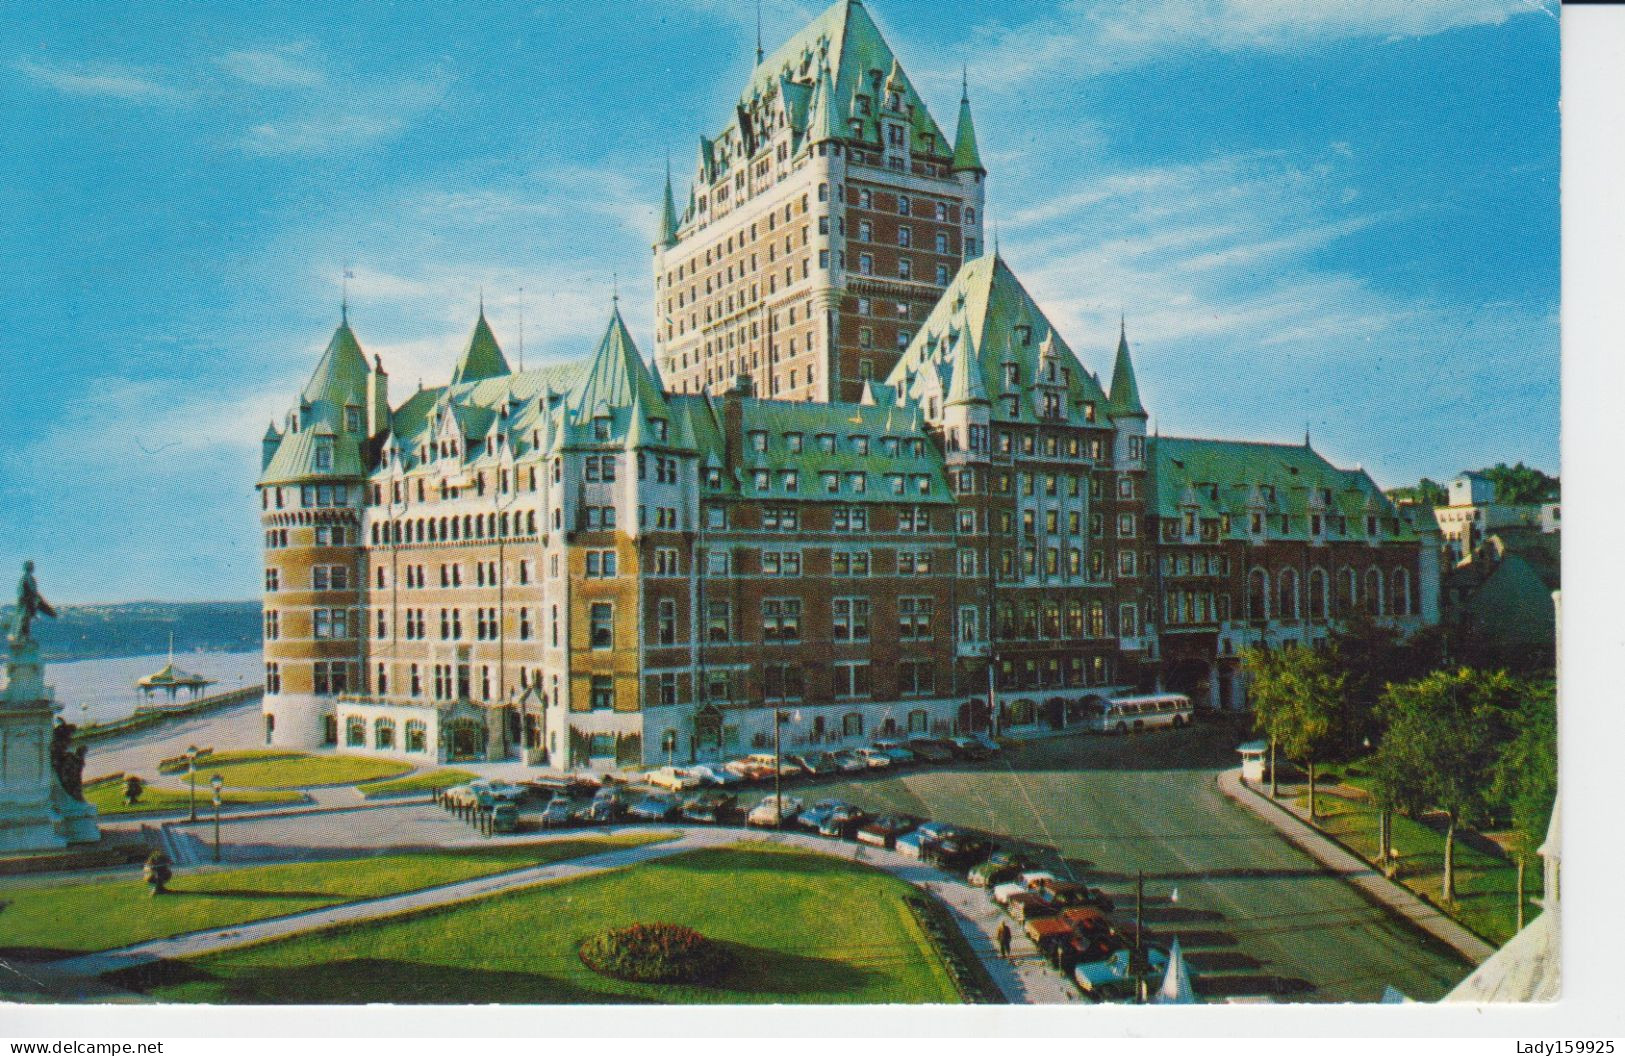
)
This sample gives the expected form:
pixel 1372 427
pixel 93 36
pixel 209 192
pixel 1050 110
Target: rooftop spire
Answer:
pixel 482 357
pixel 1125 391
pixel 668 213
pixel 760 55
pixel 966 157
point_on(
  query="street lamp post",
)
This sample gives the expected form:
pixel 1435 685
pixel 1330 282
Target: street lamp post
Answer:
pixel 217 782
pixel 191 782
pixel 778 771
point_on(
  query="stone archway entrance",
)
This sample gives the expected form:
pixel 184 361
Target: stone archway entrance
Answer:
pixel 465 740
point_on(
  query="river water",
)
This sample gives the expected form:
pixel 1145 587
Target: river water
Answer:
pixel 104 690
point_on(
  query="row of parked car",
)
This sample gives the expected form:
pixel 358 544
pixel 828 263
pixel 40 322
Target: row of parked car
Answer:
pixel 883 754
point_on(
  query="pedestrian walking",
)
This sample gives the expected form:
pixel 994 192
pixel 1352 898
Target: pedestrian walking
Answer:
pixel 1004 939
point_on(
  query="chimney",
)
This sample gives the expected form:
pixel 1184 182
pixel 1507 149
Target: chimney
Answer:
pixel 377 399
pixel 733 420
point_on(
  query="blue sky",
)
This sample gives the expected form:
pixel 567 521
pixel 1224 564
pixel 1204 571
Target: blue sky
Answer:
pixel 1344 215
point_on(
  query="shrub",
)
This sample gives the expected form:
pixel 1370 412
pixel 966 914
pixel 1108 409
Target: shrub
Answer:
pixel 656 953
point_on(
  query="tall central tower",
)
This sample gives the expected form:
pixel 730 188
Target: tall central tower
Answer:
pixel 823 223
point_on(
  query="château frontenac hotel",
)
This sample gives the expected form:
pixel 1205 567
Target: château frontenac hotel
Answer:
pixel 862 485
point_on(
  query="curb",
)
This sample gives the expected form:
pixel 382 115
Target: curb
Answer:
pixel 1356 872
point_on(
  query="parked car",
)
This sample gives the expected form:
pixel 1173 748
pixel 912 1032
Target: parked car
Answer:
pixel 558 812
pixel 716 774
pixel 921 842
pixel 459 796
pixel 709 807
pixel 1105 979
pixel 1028 904
pixel 744 768
pixel 1073 893
pixel 884 831
pixel 654 807
pixel 1034 879
pixel 673 778
pixel 874 757
pixel 769 811
pixel 787 765
pixel 999 868
pixel 849 761
pixel 598 812
pixel 489 791
pixel 968 748
pixel 959 851
pixel 819 764
pixel 896 752
pixel 505 816
pixel 930 750
pixel 842 823
pixel 1086 920
pixel 1003 893
pixel 814 816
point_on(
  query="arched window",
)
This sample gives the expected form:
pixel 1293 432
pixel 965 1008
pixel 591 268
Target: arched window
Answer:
pixel 383 734
pixel 852 724
pixel 1373 592
pixel 417 736
pixel 1289 595
pixel 1258 595
pixel 1400 598
pixel 1317 594
pixel 355 733
pixel 1347 589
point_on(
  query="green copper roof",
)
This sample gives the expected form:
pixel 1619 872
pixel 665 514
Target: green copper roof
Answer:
pixel 917 458
pixel 340 376
pixel 1007 330
pixel 616 377
pixel 846 40
pixel 965 385
pixel 482 358
pixel 1125 400
pixel 1234 477
pixel 966 157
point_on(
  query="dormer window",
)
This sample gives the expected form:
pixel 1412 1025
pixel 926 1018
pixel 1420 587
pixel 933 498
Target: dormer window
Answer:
pixel 894 100
pixel 860 444
pixel 888 444
pixel 793 442
pixel 1089 411
pixel 600 428
pixel 758 440
pixel 863 104
pixel 659 426
pixel 324 456
pixel 713 478
pixel 1012 375
pixel 1024 334
pixel 826 443
pixel 352 419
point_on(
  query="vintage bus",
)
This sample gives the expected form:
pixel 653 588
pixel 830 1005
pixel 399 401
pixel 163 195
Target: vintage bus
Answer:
pixel 1123 714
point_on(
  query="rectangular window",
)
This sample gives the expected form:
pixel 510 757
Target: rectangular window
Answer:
pixel 603 693
pixel 914 618
pixel 781 620
pixel 851 619
pixel 602 625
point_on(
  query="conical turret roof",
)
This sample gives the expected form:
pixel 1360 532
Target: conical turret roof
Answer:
pixel 340 376
pixel 1125 398
pixel 617 376
pixel 482 357
pixel 668 215
pixel 966 157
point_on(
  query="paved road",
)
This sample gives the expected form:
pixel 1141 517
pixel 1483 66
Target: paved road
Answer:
pixel 1255 915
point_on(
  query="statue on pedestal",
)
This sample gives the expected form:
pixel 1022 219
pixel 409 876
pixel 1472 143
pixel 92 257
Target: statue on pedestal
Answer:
pixel 30 603
pixel 68 761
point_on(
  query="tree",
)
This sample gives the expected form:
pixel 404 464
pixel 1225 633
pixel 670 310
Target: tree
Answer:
pixel 1526 774
pixel 1444 738
pixel 1426 492
pixel 1520 484
pixel 1373 655
pixel 1300 701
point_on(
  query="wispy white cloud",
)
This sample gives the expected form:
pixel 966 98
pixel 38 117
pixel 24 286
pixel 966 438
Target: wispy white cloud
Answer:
pixel 1088 37
pixel 288 66
pixel 132 84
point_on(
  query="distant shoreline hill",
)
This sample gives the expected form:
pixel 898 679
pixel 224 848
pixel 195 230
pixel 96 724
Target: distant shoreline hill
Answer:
pixel 140 628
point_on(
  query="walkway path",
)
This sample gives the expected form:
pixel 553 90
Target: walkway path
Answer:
pixel 1026 978
pixel 1356 871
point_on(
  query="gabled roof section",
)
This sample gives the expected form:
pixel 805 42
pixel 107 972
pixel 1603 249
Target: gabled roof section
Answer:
pixel 965 383
pixel 1239 477
pixel 1125 401
pixel 482 357
pixel 987 306
pixel 616 377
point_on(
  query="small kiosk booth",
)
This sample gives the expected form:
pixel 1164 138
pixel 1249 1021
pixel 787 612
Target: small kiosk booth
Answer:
pixel 1254 766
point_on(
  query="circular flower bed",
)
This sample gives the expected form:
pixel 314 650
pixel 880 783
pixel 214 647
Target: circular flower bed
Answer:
pixel 656 953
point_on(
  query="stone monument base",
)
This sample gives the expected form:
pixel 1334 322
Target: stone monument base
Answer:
pixel 36 813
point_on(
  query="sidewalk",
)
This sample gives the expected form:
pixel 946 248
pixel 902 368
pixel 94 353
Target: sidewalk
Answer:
pixel 1026 978
pixel 1360 874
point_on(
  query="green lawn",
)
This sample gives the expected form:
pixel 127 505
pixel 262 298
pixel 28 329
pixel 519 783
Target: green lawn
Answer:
pixel 108 798
pixel 804 927
pixel 296 771
pixel 422 781
pixel 1486 884
pixel 57 914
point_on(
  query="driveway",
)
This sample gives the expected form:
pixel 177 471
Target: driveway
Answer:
pixel 1254 914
